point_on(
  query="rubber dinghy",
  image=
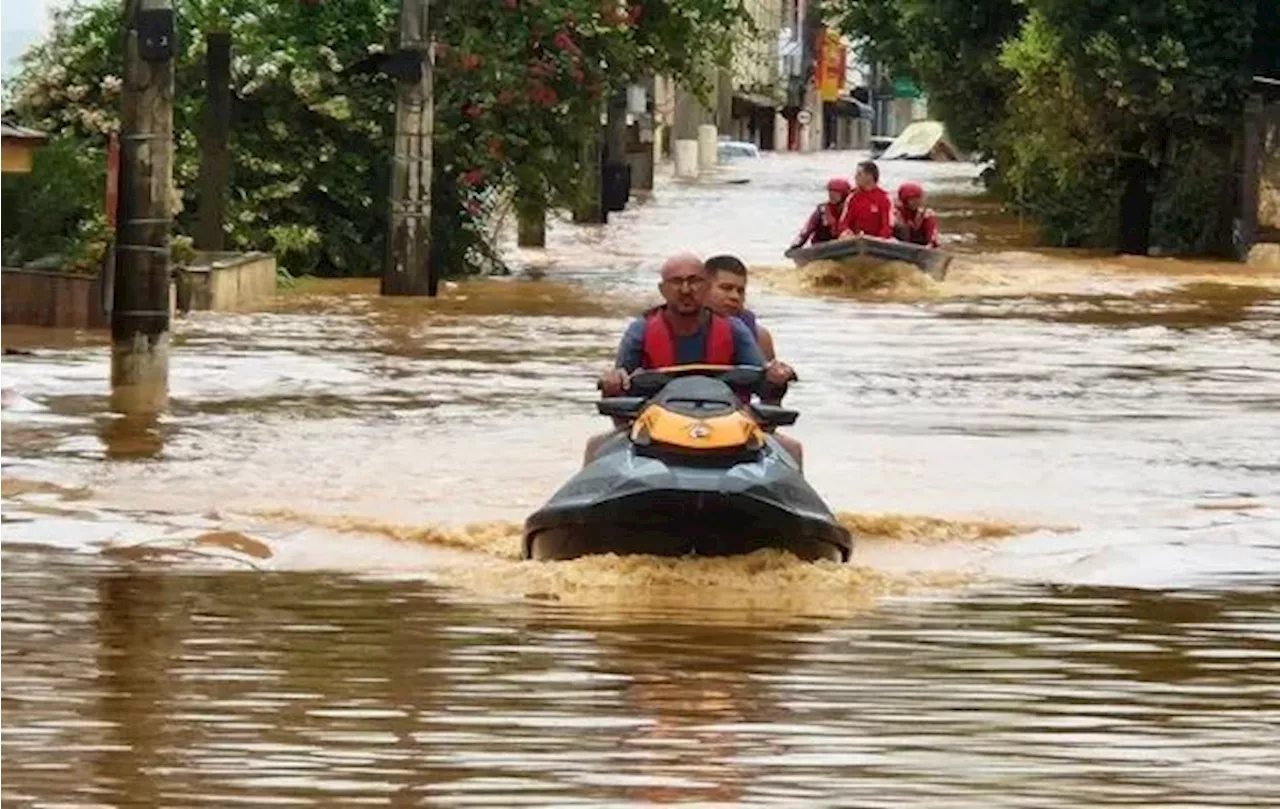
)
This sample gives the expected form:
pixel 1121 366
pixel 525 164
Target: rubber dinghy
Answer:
pixel 695 472
pixel 931 262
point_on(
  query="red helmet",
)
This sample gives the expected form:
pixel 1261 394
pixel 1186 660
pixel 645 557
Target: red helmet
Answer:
pixel 839 184
pixel 908 191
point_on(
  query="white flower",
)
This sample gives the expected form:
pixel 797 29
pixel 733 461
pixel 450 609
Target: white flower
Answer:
pixel 111 84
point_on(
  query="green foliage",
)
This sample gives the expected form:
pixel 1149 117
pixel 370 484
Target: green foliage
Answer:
pixel 1063 93
pixel 56 209
pixel 517 83
pixel 949 47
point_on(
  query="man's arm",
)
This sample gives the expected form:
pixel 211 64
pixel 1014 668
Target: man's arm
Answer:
pixel 810 226
pixel 765 340
pixel 931 229
pixel 745 349
pixel 886 218
pixel 631 347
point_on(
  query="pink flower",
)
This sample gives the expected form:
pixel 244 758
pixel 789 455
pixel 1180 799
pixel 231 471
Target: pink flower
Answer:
pixel 471 61
pixel 472 111
pixel 473 177
pixel 511 4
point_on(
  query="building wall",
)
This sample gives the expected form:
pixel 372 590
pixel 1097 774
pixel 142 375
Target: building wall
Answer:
pixel 16 155
pixel 755 57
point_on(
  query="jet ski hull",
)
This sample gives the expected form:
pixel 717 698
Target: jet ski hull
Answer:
pixel 631 502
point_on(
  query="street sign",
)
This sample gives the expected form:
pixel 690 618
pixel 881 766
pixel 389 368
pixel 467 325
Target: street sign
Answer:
pixel 804 117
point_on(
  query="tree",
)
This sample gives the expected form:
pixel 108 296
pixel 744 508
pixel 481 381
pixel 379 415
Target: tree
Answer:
pixel 951 48
pixel 518 81
pixel 1161 73
pixel 1159 77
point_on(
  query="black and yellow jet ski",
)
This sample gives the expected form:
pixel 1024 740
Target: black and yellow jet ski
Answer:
pixel 694 472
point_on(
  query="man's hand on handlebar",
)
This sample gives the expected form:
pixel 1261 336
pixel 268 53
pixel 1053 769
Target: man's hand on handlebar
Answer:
pixel 778 374
pixel 614 382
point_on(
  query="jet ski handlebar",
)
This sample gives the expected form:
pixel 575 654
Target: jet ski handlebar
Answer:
pixel 745 377
pixel 646 383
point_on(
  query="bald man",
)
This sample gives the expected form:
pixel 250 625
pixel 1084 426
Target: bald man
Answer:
pixel 683 331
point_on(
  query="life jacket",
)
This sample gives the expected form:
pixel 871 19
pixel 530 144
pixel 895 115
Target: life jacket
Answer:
pixel 660 342
pixel 913 229
pixel 828 219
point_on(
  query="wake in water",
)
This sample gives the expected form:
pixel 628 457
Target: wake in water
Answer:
pixel 484 558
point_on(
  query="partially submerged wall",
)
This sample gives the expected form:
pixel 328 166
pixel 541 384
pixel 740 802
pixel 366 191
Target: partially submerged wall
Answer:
pixel 1269 176
pixel 226 281
pixel 56 300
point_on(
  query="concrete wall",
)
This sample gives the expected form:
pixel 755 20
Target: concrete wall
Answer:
pixel 1269 176
pixel 52 299
pixel 226 281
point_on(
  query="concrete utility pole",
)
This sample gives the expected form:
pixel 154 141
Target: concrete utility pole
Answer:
pixel 215 156
pixel 140 309
pixel 408 270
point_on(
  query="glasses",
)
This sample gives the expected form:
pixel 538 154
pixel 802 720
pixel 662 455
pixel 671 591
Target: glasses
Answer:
pixel 691 281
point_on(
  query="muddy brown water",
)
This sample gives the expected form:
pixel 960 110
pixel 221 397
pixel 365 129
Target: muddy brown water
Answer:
pixel 300 586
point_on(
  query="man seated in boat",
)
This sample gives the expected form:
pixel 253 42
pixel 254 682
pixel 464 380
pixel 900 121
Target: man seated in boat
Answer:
pixel 824 222
pixel 727 296
pixel 869 211
pixel 913 222
pixel 683 331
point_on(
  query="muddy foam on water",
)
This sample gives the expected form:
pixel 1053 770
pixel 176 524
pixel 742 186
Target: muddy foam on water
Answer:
pixel 484 558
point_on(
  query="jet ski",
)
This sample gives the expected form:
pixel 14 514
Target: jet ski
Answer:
pixel 694 471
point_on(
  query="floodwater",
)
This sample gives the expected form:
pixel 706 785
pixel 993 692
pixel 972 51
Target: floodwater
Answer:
pixel 300 586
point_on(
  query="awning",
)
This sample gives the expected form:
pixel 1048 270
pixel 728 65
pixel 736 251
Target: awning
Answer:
pixel 756 100
pixel 12 131
pixel 850 107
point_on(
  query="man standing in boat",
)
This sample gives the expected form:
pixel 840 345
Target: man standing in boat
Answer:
pixel 683 331
pixel 824 222
pixel 914 223
pixel 869 211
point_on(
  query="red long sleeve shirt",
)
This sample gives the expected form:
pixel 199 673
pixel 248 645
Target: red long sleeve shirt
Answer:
pixel 869 213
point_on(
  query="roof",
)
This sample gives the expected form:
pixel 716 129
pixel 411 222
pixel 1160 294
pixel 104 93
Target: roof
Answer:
pixel 1267 87
pixel 22 132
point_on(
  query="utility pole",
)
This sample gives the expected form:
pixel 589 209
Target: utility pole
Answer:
pixel 215 157
pixel 140 309
pixel 615 186
pixel 409 270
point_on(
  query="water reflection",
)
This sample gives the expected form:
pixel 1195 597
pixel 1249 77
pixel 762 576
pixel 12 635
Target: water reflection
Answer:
pixel 314 689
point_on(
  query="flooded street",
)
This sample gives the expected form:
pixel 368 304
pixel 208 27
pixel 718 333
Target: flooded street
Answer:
pixel 301 585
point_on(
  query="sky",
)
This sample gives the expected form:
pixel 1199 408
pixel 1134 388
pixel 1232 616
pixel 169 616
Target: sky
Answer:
pixel 22 22
pixel 19 15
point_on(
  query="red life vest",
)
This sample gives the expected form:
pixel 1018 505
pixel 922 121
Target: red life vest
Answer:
pixel 660 343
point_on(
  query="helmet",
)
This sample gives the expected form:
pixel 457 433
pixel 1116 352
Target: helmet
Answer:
pixel 908 191
pixel 839 184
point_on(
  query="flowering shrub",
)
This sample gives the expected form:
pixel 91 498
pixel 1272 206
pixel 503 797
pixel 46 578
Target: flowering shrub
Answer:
pixel 517 84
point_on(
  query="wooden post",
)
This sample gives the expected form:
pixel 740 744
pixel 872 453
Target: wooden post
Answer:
pixel 215 156
pixel 615 189
pixel 140 311
pixel 590 210
pixel 531 216
pixel 409 269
